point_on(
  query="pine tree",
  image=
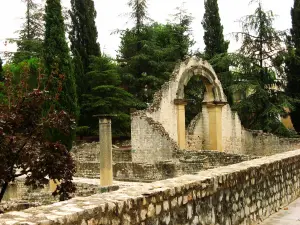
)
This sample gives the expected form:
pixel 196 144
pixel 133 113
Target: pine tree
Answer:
pixel 138 13
pixel 293 64
pixel 149 52
pixel 107 96
pixel 259 73
pixel 32 33
pixel 57 56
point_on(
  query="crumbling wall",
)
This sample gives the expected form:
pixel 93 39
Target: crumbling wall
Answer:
pixel 263 144
pixel 150 140
pixel 163 111
pixel 198 131
pixel 236 139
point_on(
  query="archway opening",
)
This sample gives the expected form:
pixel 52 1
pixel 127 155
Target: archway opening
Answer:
pixel 200 88
pixel 194 94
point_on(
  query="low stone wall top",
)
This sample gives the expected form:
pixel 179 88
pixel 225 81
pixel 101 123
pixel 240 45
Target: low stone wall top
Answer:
pixel 243 193
pixel 183 162
pixel 90 152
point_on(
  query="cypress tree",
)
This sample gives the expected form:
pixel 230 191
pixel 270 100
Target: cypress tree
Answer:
pixel 83 34
pixel 213 30
pixel 84 46
pixel 57 57
pixel 293 63
pixel 215 45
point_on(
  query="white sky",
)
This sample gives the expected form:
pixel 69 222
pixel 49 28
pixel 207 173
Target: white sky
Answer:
pixel 109 18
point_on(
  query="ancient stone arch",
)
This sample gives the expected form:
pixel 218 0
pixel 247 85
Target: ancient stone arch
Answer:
pixel 162 126
pixel 214 99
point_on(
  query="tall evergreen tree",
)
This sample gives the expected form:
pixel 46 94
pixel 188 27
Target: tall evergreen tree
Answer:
pixel 293 63
pixel 213 30
pixel 83 34
pixel 84 46
pixel 32 33
pixel 138 13
pixel 259 71
pixel 107 96
pixel 215 44
pixel 144 71
pixel 57 56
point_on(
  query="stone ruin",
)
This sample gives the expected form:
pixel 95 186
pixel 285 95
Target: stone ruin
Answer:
pixel 163 148
pixel 160 130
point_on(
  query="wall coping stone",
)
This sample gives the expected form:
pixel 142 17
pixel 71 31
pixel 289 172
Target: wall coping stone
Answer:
pixel 76 209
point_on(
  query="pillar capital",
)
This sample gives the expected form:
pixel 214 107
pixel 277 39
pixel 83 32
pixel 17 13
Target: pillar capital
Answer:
pixel 180 101
pixel 105 116
pixel 215 103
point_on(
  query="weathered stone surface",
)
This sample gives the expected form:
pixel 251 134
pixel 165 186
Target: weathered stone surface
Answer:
pixel 235 200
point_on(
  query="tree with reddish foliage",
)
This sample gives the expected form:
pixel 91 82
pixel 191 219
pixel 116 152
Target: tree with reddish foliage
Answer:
pixel 28 120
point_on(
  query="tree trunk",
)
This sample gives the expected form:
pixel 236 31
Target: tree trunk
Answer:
pixel 3 190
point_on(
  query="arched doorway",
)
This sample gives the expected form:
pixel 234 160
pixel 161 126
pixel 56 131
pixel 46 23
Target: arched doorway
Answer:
pixel 214 100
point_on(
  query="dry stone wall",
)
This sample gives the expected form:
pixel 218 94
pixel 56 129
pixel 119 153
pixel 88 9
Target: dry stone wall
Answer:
pixel 244 193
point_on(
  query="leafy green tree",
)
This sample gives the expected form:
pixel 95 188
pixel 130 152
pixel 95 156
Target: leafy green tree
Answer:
pixel 259 71
pixel 107 96
pixel 31 66
pixel 57 57
pixel 293 63
pixel 32 33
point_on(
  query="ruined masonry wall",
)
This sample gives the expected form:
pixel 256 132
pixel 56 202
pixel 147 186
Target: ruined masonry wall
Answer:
pixel 243 193
pixel 235 139
pixel 232 131
pixel 164 112
pixel 150 140
pixel 258 143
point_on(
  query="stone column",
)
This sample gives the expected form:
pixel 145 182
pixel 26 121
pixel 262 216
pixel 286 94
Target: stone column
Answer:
pixel 180 104
pixel 106 170
pixel 215 125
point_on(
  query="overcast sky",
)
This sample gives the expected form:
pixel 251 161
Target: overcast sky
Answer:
pixel 110 18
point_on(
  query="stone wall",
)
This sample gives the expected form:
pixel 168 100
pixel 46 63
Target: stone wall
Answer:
pixel 154 130
pixel 183 162
pixel 150 140
pixel 244 193
pixel 262 144
pixel 236 139
pixel 90 152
